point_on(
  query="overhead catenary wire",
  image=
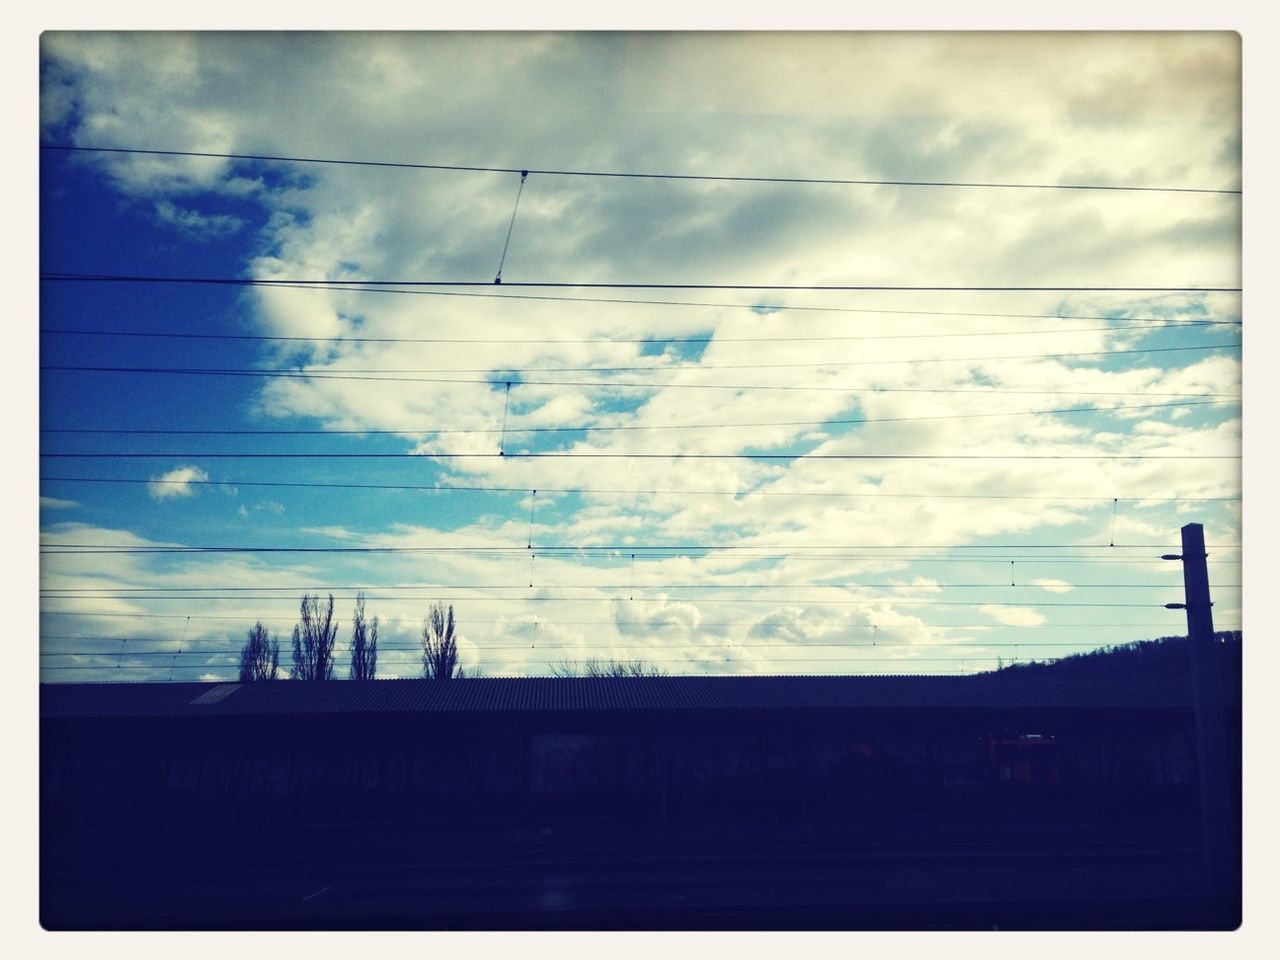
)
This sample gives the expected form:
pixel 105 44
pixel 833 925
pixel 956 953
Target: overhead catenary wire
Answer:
pixel 518 624
pixel 625 385
pixel 852 654
pixel 390 592
pixel 1120 323
pixel 679 365
pixel 232 647
pixel 524 175
pixel 542 661
pixel 831 601
pixel 618 549
pixel 633 175
pixel 633 285
pixel 223 667
pixel 609 428
pixel 726 659
pixel 654 591
pixel 612 455
pixel 336 286
pixel 605 491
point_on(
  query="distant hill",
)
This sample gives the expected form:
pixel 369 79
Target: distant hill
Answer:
pixel 1165 656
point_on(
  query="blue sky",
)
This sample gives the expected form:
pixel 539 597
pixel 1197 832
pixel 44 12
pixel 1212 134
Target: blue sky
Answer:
pixel 740 565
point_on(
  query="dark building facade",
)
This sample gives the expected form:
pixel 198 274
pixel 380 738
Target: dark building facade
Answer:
pixel 626 803
pixel 628 750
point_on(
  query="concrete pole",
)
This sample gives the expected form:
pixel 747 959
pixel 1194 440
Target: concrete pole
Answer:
pixel 1218 824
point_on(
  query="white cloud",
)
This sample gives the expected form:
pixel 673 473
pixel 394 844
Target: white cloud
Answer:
pixel 195 224
pixel 1013 616
pixel 176 483
pixel 263 506
pixel 1053 586
pixel 53 503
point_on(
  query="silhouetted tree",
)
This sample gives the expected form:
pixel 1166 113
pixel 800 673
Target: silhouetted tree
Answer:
pixel 605 668
pixel 439 646
pixel 313 640
pixel 260 656
pixel 364 643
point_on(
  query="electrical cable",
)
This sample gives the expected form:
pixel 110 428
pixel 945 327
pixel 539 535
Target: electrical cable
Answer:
pixel 124 593
pixel 550 172
pixel 681 367
pixel 1121 323
pixel 505 429
pixel 580 455
pixel 517 625
pixel 617 384
pixel 593 491
pixel 620 549
pixel 621 285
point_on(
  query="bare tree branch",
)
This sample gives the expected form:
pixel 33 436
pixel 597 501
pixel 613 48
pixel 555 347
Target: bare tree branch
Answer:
pixel 364 643
pixel 260 656
pixel 605 668
pixel 439 646
pixel 313 640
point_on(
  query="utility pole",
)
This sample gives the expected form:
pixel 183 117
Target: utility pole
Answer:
pixel 1217 823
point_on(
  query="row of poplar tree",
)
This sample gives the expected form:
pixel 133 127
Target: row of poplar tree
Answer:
pixel 315 635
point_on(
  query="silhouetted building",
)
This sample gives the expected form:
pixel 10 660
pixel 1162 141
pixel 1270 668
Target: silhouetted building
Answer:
pixel 652 750
pixel 1033 798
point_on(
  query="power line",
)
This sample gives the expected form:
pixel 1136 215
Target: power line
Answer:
pixel 906 601
pixel 389 592
pixel 821 494
pixel 131 431
pixel 614 174
pixel 1128 323
pixel 681 367
pixel 619 549
pixel 620 285
pixel 557 621
pixel 815 601
pixel 337 286
pixel 484 648
pixel 121 593
pixel 754 557
pixel 728 647
pixel 524 628
pixel 543 662
pixel 623 385
pixel 579 455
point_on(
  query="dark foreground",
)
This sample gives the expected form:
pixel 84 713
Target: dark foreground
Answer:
pixel 919 803
pixel 585 879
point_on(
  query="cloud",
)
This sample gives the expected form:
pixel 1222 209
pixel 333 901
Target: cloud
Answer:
pixel 198 225
pixel 176 483
pixel 1013 616
pixel 53 503
pixel 263 506
pixel 645 618
pixel 1053 586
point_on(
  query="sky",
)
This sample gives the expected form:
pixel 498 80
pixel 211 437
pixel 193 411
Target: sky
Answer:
pixel 750 479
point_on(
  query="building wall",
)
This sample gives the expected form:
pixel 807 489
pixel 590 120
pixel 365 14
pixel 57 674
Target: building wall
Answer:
pixel 254 773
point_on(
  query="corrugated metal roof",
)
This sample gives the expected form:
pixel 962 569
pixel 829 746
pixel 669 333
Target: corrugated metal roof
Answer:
pixel 541 694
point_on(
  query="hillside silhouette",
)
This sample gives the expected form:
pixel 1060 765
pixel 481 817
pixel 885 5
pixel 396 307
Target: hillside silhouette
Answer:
pixel 1165 658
